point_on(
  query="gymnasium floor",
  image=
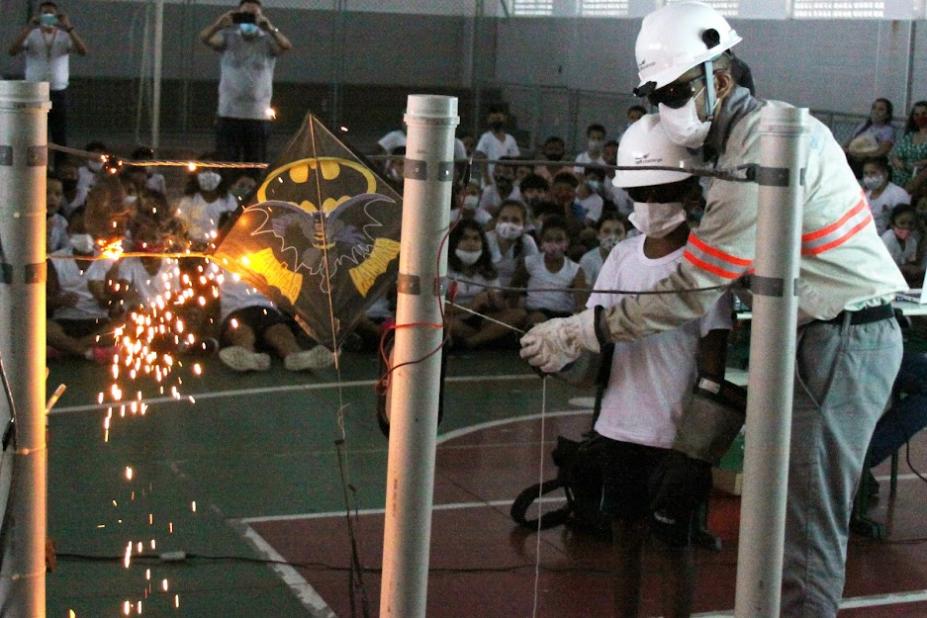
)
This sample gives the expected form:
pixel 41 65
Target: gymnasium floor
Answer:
pixel 256 455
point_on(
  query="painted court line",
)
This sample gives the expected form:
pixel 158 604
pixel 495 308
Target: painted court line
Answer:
pixel 290 388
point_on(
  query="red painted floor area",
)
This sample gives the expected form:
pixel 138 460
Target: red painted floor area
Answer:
pixel 484 565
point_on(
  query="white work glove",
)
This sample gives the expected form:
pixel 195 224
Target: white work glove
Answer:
pixel 555 343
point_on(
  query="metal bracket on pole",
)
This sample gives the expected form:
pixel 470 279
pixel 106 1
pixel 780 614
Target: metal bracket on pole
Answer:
pixel 777 176
pixel 418 170
pixel 770 286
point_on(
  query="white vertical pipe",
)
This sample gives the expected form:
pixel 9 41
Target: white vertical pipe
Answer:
pixel 156 75
pixel 783 152
pixel 429 171
pixel 23 165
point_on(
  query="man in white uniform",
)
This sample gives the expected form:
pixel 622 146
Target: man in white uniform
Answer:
pixel 849 344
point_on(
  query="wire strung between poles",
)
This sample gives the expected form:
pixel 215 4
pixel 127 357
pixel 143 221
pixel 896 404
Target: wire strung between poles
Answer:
pixel 119 161
pixel 505 288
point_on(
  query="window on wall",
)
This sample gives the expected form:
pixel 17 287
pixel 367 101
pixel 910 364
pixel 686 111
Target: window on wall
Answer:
pixel 838 9
pixel 728 8
pixel 603 8
pixel 532 8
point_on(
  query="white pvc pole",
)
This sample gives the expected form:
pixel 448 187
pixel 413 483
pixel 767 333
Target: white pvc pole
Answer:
pixel 156 77
pixel 429 172
pixel 783 151
pixel 23 165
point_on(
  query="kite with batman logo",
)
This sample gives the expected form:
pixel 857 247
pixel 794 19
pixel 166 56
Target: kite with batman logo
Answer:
pixel 320 235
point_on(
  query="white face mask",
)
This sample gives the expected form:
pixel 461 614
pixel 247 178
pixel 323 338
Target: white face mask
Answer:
pixel 683 126
pixel 873 182
pixel 94 165
pixel 471 202
pixel 130 200
pixel 595 146
pixel 657 220
pixel 607 243
pixel 509 231
pixel 208 181
pixel 82 243
pixel 468 258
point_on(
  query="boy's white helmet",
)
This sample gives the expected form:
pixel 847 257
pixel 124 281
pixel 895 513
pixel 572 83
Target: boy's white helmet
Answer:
pixel 676 38
pixel 645 144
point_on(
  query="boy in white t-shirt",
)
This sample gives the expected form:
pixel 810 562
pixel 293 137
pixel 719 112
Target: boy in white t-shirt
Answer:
pixel 882 193
pixel 651 381
pixel 496 143
pixel 595 144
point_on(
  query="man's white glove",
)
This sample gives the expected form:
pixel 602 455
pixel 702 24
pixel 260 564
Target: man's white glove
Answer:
pixel 555 343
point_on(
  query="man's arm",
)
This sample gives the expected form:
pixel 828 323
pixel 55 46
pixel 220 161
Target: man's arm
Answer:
pixel 80 48
pixel 211 35
pixel 20 43
pixel 278 37
pixel 712 354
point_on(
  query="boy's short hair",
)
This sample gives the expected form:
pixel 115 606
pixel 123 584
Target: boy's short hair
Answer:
pixel 610 216
pixel 553 139
pixel 565 178
pixel 48 3
pixel 595 170
pixel 880 161
pixel 901 209
pixel 637 108
pixel 534 181
pixel 595 126
pixel 554 222
pixel 544 209
pixel 244 2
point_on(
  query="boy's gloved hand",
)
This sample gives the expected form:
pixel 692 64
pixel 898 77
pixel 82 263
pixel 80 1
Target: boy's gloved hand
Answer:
pixel 553 344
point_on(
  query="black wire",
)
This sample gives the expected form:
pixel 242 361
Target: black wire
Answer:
pixel 907 456
pixel 505 288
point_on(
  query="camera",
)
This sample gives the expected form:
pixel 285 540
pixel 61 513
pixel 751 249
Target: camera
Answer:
pixel 243 18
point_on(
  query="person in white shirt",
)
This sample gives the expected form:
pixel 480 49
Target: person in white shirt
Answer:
pixel 496 143
pixel 56 226
pixel 202 209
pixel 48 41
pixel 610 230
pixel 78 310
pixel 89 173
pixel 882 193
pixel 595 145
pixel 508 241
pixel 649 386
pixel 502 188
pixel 473 277
pixel 252 326
pixel 249 44
pixel 466 205
pixel 900 238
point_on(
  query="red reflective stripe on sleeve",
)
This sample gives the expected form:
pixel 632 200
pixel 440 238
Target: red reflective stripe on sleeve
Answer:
pixel 715 270
pixel 824 231
pixel 839 241
pixel 721 255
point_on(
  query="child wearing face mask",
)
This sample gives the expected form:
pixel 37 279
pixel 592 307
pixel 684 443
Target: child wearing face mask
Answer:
pixel 467 205
pixel 204 204
pixel 470 267
pixel 595 144
pixel 502 188
pixel 89 172
pixel 610 230
pixel 508 242
pixel 78 315
pixel 882 193
pixel 56 226
pixel 496 143
pixel 900 238
pixel 555 283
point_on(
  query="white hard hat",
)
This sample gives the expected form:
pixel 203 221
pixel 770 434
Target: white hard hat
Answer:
pixel 676 38
pixel 645 144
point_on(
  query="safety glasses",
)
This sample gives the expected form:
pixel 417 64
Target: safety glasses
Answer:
pixel 662 194
pixel 676 94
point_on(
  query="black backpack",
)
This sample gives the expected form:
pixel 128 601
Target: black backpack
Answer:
pixel 579 473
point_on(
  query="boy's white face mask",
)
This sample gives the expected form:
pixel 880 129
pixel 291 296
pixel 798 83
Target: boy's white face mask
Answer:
pixel 683 126
pixel 657 220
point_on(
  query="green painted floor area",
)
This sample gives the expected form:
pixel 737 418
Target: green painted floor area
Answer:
pixel 236 453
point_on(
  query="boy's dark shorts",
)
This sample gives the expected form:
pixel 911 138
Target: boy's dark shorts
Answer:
pixel 660 486
pixel 78 329
pixel 257 318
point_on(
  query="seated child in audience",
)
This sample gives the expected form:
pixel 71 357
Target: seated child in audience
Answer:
pixel 882 193
pixel 241 185
pixel 550 276
pixel 143 177
pixel 502 188
pixel 900 238
pixel 471 270
pixel 610 230
pixel 590 194
pixel 56 226
pixel 251 326
pixel 77 315
pixel 206 201
pixel 66 171
pixel 90 171
pixel 466 205
pixel 151 279
pixel 579 233
pixel 508 242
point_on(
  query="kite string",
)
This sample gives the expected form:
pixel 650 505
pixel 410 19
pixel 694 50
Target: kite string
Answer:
pixel 356 576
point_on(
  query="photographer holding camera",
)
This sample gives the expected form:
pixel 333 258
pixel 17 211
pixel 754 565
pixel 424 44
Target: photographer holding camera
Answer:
pixel 47 41
pixel 249 45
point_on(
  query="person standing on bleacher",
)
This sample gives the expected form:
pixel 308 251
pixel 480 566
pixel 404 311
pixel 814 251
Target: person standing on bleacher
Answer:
pixel 849 344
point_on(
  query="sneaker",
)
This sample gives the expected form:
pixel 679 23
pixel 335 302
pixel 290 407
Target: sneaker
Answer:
pixel 318 357
pixel 240 359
